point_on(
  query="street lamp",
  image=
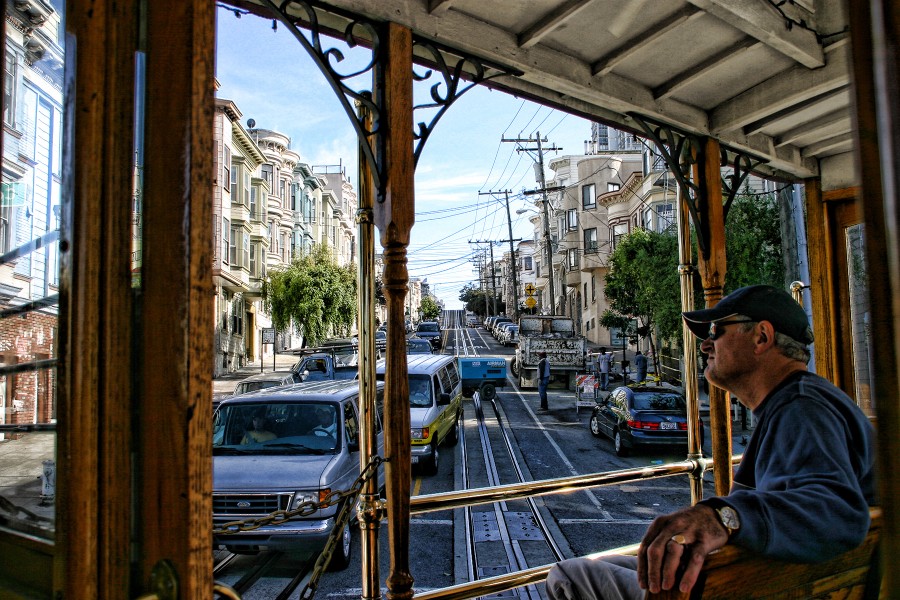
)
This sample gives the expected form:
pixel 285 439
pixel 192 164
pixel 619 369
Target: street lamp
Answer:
pixel 549 245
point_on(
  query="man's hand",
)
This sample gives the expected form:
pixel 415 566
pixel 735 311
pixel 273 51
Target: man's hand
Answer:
pixel 683 538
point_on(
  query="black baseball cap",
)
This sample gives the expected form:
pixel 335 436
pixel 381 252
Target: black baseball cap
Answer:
pixel 760 303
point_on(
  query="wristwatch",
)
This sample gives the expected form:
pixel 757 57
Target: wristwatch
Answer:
pixel 727 516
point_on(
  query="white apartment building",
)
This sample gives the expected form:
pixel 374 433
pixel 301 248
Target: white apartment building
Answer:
pixel 268 207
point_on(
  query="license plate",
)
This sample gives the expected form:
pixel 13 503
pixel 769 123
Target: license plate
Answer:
pixel 665 425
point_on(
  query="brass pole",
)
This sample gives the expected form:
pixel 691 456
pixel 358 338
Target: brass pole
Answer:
pixel 685 272
pixel 369 509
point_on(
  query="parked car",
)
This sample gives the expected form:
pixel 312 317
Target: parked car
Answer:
pixel 510 336
pixel 495 328
pixel 416 345
pixel 435 406
pixel 279 448
pixel 640 416
pixel 327 362
pixel 431 331
pixel 262 381
pixel 502 328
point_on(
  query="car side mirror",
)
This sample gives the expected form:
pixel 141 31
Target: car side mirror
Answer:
pixel 302 376
pixel 443 399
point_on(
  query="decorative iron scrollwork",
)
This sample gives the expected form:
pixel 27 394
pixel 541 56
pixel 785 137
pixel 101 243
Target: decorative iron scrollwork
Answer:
pixel 446 91
pixel 357 33
pixel 741 168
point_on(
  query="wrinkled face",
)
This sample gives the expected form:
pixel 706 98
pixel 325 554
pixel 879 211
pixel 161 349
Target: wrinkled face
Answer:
pixel 729 352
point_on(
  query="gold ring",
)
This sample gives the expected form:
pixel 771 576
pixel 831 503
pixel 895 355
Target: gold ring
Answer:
pixel 678 539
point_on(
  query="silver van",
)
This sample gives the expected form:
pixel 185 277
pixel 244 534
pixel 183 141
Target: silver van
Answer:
pixel 435 405
pixel 277 448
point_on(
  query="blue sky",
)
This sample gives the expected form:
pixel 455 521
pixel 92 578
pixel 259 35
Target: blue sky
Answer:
pixel 271 78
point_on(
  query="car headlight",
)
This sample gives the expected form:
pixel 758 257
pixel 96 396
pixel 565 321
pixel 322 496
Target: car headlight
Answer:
pixel 419 433
pixel 303 497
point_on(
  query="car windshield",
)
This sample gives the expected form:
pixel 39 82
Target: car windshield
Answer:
pixel 420 391
pixel 418 346
pixel 276 428
pixel 658 401
pixel 429 327
pixel 252 386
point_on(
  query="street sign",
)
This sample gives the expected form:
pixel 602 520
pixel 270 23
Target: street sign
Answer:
pixel 529 290
pixel 268 335
pixel 530 302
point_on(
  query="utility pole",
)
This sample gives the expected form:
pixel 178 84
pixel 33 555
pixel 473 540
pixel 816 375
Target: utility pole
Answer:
pixel 547 239
pixel 512 254
pixel 493 278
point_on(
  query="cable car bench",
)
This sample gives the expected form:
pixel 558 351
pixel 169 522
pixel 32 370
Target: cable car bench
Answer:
pixel 735 574
pixel 483 375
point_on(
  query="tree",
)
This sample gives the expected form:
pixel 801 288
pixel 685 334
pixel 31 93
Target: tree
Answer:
pixel 474 298
pixel 642 284
pixel 753 244
pixel 314 294
pixel 430 308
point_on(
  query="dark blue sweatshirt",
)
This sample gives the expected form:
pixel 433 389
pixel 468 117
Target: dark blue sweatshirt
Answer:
pixel 806 480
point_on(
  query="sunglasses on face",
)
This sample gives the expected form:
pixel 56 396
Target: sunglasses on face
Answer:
pixel 717 329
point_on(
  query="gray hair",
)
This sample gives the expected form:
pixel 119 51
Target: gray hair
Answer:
pixel 788 346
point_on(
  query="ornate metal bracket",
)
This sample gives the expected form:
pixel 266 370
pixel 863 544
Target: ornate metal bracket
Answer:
pixel 362 33
pixel 357 32
pixel 742 166
pixel 446 91
pixel 680 151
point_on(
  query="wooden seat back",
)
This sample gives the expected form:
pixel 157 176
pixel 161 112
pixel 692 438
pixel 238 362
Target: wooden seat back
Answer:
pixel 737 574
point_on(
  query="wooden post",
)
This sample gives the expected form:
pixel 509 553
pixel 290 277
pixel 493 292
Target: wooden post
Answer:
pixel 95 441
pixel 874 28
pixel 394 215
pixel 174 496
pixel 711 265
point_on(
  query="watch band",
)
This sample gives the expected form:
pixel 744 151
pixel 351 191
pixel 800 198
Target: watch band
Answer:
pixel 729 521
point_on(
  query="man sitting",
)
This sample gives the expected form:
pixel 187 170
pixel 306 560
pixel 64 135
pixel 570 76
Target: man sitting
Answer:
pixel 804 486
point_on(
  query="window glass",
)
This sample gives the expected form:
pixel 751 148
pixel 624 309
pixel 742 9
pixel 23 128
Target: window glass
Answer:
pixel 860 316
pixel 420 395
pixel 590 240
pixel 588 196
pixel 445 381
pixel 30 210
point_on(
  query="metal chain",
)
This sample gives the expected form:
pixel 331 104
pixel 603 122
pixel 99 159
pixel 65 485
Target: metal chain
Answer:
pixel 305 509
pixel 348 498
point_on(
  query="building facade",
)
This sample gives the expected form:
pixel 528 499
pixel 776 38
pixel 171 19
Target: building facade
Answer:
pixel 30 209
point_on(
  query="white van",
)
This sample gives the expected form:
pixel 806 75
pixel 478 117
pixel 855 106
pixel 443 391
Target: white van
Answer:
pixel 278 448
pixel 435 405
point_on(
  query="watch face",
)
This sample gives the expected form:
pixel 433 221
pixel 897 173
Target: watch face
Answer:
pixel 729 518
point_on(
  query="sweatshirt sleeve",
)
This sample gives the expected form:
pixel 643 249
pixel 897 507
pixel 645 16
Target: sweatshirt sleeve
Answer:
pixel 808 504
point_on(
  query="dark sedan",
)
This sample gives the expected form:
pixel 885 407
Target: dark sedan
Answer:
pixel 416 345
pixel 641 416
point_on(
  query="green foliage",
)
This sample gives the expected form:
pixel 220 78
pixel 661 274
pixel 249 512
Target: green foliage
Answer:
pixel 430 308
pixel 642 282
pixel 313 293
pixel 753 245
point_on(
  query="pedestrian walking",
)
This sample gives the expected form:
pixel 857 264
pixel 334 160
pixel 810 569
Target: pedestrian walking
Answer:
pixel 604 360
pixel 640 365
pixel 543 379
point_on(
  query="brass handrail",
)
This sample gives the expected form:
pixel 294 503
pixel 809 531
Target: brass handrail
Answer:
pixel 507 581
pixel 473 497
